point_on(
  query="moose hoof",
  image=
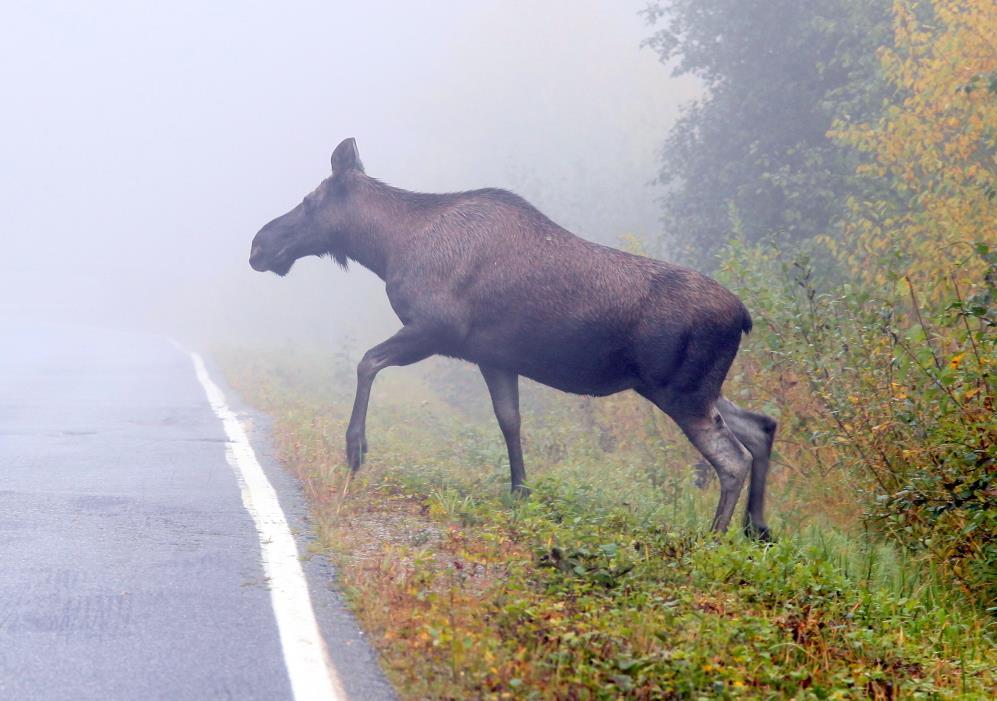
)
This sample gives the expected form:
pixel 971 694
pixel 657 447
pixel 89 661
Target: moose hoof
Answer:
pixel 356 451
pixel 760 533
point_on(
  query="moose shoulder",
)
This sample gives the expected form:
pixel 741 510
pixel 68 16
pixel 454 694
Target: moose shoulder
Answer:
pixel 486 277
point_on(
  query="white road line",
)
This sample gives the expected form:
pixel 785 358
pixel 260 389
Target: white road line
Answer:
pixel 310 671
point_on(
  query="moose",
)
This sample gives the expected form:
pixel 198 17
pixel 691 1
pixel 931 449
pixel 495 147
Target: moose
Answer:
pixel 486 277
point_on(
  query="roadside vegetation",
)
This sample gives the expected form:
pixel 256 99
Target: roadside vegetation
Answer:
pixel 866 249
pixel 603 584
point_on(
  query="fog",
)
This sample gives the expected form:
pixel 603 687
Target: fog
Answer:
pixel 143 144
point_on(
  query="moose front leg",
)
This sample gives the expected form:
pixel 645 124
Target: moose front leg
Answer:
pixel 410 345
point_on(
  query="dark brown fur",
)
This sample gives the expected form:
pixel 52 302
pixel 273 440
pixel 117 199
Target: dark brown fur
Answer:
pixel 484 276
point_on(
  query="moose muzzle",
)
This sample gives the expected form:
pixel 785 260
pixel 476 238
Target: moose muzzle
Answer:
pixel 257 260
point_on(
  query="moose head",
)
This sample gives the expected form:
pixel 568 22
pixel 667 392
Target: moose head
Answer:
pixel 318 225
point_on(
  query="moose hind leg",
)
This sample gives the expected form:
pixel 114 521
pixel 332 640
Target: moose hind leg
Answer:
pixel 756 432
pixel 503 386
pixel 709 433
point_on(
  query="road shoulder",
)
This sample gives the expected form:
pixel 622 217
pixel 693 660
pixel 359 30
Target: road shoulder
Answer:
pixel 349 651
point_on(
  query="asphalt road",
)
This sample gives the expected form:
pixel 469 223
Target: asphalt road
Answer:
pixel 129 567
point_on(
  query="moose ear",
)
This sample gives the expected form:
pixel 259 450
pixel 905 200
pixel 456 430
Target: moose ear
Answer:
pixel 346 157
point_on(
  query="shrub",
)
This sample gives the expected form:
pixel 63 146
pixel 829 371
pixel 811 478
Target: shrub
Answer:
pixel 888 395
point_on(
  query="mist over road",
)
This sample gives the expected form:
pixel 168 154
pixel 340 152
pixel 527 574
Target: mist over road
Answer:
pixel 130 567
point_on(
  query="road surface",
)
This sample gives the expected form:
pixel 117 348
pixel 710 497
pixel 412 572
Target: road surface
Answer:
pixel 130 567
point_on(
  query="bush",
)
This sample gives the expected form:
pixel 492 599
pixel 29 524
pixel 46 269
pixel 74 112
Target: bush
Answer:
pixel 888 395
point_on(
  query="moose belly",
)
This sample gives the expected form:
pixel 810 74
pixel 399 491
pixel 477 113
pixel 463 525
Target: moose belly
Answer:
pixel 594 364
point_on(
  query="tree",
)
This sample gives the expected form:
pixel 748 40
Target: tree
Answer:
pixel 777 73
pixel 935 144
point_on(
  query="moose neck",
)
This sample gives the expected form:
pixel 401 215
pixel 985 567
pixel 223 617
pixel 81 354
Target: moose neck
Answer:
pixel 385 217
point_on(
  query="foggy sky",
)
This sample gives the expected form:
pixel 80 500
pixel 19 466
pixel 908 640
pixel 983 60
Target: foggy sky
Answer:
pixel 143 144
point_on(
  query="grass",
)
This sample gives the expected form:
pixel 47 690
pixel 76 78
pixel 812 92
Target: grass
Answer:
pixel 603 584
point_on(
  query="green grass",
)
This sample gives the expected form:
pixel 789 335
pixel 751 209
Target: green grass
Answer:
pixel 603 584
